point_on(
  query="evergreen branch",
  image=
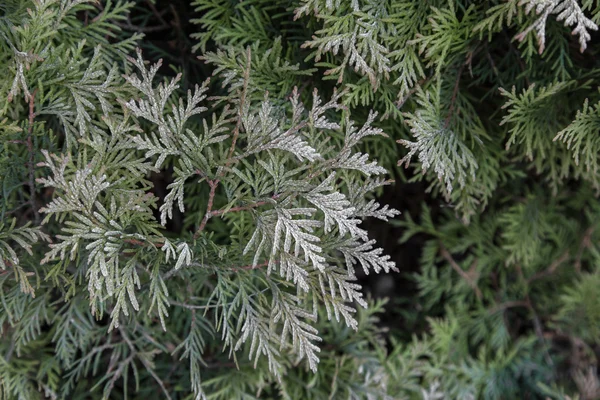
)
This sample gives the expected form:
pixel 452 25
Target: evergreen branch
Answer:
pixel 586 242
pixel 241 106
pixel 251 267
pixel 469 276
pixel 148 367
pixel 508 304
pixel 244 208
pixel 453 98
pixel 567 10
pixel 137 242
pixel 550 270
pixel 30 166
pixel 236 132
pixel 207 214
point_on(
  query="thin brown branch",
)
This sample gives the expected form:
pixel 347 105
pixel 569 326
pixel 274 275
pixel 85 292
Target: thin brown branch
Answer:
pixel 412 91
pixel 144 362
pixel 586 242
pixel 141 29
pixel 463 274
pixel 236 132
pixel 250 267
pixel 454 97
pixel 211 198
pixel 157 14
pixel 550 270
pixel 508 304
pixel 137 242
pixel 243 208
pixel 537 324
pixel 118 372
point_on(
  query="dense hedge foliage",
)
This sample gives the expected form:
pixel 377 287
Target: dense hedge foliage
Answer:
pixel 196 194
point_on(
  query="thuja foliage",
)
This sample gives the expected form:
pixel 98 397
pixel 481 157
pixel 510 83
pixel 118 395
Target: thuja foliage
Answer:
pixel 201 229
pixel 93 286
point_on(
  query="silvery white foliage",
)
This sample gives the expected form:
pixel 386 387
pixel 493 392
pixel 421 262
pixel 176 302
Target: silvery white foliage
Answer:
pixel 116 151
pixel 180 252
pixel 257 327
pixel 265 132
pixel 568 11
pixel 286 184
pixel 358 161
pixel 356 35
pixel 95 83
pixel 286 309
pixel 436 145
pixel 293 269
pixel 96 213
pixel 299 233
pixel 170 123
pixel 318 6
pixel 173 137
pixel 185 255
pixel 358 192
pixel 433 392
pixel 126 281
pixel 289 234
pixel 317 116
pixel 83 189
pixel 193 345
pixel 25 237
pixel 367 256
pixel 337 290
pixel 159 295
pixel 336 208
pixel 191 161
pixel 375 210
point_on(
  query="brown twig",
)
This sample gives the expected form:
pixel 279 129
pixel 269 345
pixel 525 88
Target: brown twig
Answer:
pixel 141 29
pixel 412 91
pixel 586 242
pixel 157 14
pixel 118 372
pixel 207 214
pixel 243 208
pixel 537 324
pixel 454 97
pixel 550 270
pixel 144 362
pixel 467 276
pixel 508 304
pixel 251 267
pixel 236 132
pixel 142 243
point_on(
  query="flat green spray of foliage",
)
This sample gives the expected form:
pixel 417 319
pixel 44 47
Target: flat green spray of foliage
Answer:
pixel 164 236
pixel 96 293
